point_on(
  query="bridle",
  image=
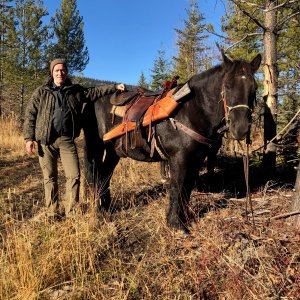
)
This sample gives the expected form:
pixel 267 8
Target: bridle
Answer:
pixel 227 108
pixel 200 138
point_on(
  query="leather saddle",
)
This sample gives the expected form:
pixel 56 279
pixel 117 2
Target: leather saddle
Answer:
pixel 120 98
pixel 141 106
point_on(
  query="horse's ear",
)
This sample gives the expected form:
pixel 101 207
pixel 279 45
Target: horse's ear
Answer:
pixel 255 63
pixel 227 61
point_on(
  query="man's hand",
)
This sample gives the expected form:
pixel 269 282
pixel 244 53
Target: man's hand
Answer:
pixel 30 147
pixel 121 87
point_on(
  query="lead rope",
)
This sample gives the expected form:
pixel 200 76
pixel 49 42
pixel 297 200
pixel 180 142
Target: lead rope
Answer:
pixel 224 104
pixel 245 157
pixel 246 173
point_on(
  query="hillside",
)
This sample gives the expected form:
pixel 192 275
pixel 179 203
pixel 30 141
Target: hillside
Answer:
pixel 131 253
pixel 89 82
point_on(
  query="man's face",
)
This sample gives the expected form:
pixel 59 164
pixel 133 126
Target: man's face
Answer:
pixel 59 74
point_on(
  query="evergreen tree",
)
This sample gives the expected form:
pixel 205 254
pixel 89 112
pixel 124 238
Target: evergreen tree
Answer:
pixel 160 71
pixel 40 42
pixel 191 42
pixel 68 30
pixel 288 55
pixel 244 38
pixel 6 21
pixel 288 83
pixel 142 81
pixel 27 40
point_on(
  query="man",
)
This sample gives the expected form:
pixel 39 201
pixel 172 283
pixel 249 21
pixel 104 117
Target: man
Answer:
pixel 52 121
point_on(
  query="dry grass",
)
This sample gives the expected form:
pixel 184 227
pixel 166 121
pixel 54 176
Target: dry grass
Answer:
pixel 132 254
pixel 11 138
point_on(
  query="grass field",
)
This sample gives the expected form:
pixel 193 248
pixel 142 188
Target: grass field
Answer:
pixel 131 253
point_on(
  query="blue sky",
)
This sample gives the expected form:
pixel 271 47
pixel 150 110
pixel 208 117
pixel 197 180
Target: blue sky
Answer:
pixel 123 36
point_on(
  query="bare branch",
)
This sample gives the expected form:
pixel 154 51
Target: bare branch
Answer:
pixel 251 3
pixel 285 20
pixel 216 34
pixel 281 132
pixel 280 5
pixel 285 215
pixel 244 38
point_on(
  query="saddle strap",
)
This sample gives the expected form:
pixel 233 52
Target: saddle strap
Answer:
pixel 193 134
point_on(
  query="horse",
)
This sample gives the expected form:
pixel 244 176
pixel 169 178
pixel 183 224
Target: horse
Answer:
pixel 220 98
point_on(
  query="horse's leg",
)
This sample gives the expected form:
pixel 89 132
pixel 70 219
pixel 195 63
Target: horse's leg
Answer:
pixel 92 162
pixel 93 145
pixel 99 166
pixel 105 172
pixel 182 181
pixel 210 179
pixel 164 171
pixel 212 158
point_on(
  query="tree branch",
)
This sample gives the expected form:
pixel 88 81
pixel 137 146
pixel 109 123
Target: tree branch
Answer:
pixel 248 15
pixel 285 215
pixel 281 5
pixel 244 38
pixel 251 3
pixel 216 34
pixel 278 26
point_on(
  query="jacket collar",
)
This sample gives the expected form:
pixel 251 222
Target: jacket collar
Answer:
pixel 49 84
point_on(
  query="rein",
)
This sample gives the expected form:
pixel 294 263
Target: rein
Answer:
pixel 245 155
pixel 227 110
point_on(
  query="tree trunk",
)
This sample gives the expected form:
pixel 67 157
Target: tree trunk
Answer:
pixel 296 199
pixel 270 85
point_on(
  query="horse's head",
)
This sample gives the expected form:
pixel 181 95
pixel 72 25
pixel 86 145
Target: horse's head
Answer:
pixel 238 92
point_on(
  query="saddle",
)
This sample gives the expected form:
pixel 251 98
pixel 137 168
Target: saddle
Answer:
pixel 120 98
pixel 142 108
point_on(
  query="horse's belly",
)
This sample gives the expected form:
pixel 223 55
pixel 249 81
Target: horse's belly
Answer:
pixel 137 154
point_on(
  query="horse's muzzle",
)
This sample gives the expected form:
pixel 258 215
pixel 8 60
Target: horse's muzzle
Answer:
pixel 239 132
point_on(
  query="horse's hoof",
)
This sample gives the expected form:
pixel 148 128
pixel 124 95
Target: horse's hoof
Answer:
pixel 178 226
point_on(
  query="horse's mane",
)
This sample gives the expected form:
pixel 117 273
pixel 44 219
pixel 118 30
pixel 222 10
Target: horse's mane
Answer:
pixel 208 73
pixel 236 68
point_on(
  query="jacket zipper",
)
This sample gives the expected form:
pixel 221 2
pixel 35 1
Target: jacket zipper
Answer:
pixel 73 125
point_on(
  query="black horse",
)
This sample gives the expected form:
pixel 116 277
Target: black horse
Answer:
pixel 223 95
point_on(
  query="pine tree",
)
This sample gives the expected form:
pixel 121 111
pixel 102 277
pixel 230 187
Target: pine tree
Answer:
pixel 288 82
pixel 6 17
pixel 27 40
pixel 191 42
pixel 68 30
pixel 142 81
pixel 160 71
pixel 288 54
pixel 244 38
pixel 40 42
